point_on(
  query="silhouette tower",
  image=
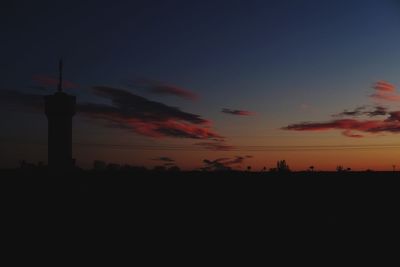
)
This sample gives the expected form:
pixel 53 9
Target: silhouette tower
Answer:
pixel 60 108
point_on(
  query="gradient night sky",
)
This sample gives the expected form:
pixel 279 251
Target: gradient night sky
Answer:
pixel 285 61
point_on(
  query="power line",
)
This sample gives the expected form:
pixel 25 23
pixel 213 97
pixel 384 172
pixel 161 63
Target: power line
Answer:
pixel 261 148
pixel 254 148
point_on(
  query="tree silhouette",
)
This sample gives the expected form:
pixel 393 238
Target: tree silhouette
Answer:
pixel 99 165
pixel 174 169
pixel 282 166
pixel 339 168
pixel 22 164
pixel 264 169
pixel 159 168
pixel 26 165
pixel 113 167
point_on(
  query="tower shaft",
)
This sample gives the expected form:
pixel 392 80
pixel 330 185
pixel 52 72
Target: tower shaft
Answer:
pixel 59 109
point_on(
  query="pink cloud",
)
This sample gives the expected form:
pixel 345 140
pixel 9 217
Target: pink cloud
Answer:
pixel 172 90
pixel 156 129
pixel 391 124
pixel 349 133
pixel 385 91
pixel 146 117
pixel 160 88
pixel 384 86
pixel 349 125
pixel 237 112
pixel 133 113
pixel 394 116
pixel 48 81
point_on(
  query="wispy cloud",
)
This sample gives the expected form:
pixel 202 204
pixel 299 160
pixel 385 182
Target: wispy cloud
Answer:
pixel 385 91
pixel 164 159
pixel 131 105
pixel 224 164
pixel 384 86
pixel 129 112
pixel 159 88
pixel 363 111
pixel 237 112
pixel 48 81
pixel 360 122
pixel 349 125
pixel 237 160
pixel 351 113
pixel 150 118
pixel 377 111
pixel 394 116
pixel 349 133
pixel 216 165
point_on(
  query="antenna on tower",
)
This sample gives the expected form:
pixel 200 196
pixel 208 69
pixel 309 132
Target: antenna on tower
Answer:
pixel 60 69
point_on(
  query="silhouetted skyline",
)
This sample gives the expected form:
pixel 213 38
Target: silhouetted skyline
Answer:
pixel 206 84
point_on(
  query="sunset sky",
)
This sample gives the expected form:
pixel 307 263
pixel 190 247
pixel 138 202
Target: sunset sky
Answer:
pixel 194 83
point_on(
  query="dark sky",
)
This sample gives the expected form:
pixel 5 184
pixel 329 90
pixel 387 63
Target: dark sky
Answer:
pixel 167 39
pixel 265 64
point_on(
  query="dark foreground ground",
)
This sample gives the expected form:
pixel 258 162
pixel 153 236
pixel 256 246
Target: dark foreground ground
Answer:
pixel 218 207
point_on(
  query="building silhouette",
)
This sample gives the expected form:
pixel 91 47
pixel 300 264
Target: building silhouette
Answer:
pixel 60 108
